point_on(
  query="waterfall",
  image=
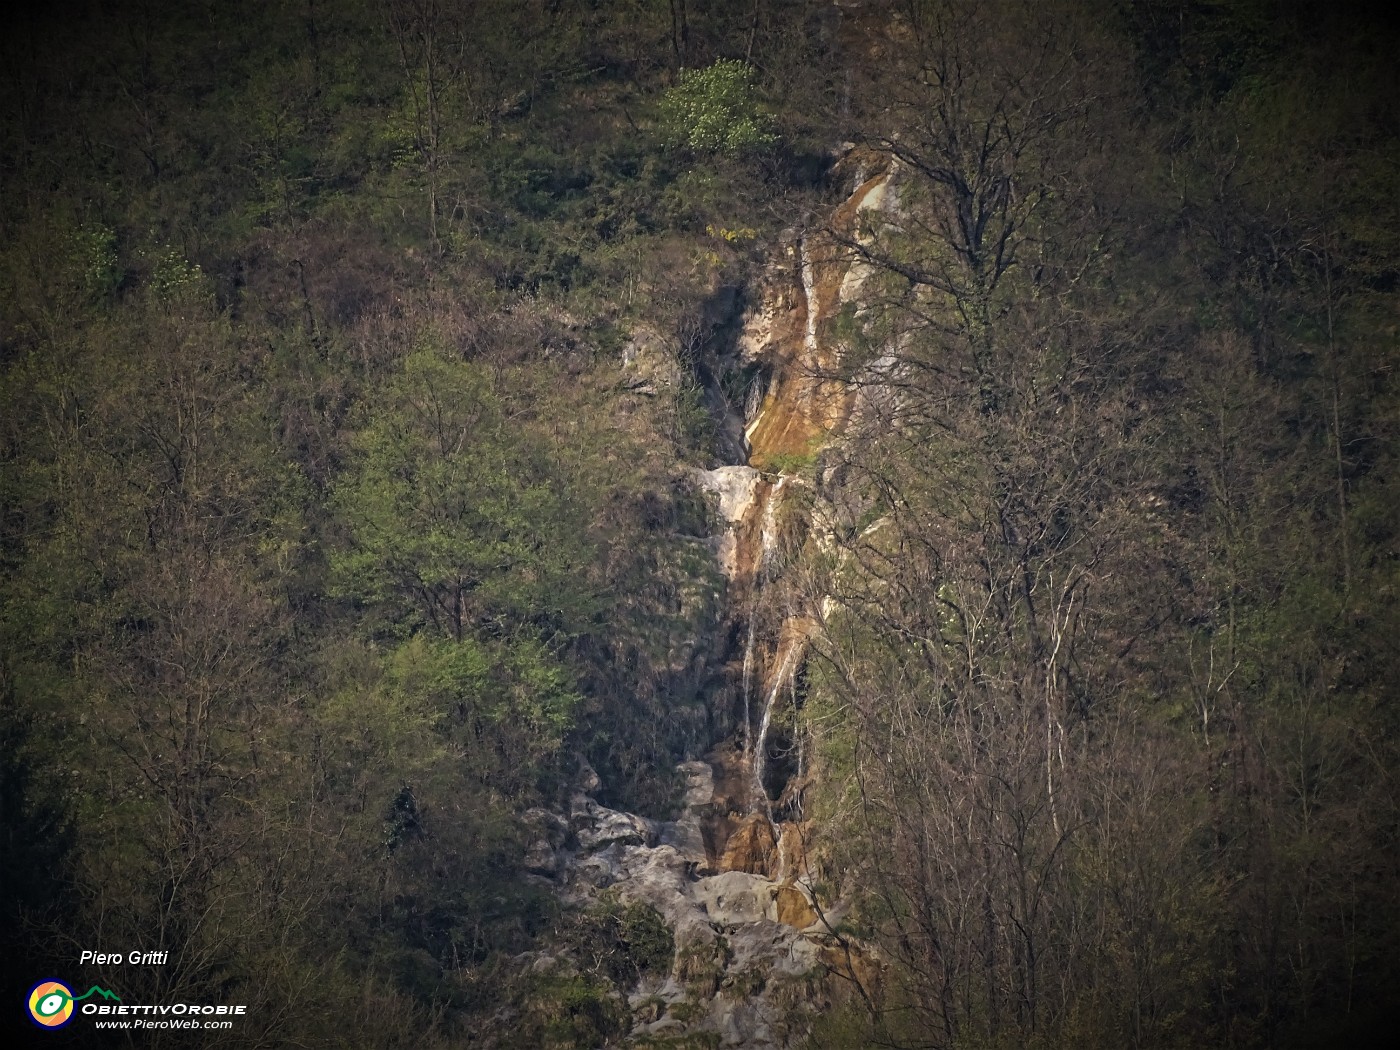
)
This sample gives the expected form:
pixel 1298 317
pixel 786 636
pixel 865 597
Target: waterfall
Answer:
pixel 763 567
pixel 786 671
pixel 768 532
pixel 801 758
pixel 792 699
pixel 748 676
pixel 730 875
pixel 809 290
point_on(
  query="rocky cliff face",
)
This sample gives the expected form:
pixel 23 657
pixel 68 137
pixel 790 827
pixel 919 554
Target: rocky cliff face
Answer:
pixel 756 951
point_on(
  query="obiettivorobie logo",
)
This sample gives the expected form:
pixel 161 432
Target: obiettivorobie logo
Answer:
pixel 51 1002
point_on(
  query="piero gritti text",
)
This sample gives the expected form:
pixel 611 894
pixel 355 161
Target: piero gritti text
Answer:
pixel 135 958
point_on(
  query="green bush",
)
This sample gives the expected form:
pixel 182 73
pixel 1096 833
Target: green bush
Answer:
pixel 715 110
pixel 626 942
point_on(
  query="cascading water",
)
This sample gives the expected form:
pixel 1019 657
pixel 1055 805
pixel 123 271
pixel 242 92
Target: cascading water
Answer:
pixel 789 648
pixel 768 534
pixel 786 672
pixel 748 675
pixel 764 566
pixel 809 290
pixel 730 876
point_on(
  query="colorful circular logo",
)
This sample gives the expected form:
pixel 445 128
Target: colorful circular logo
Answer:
pixel 51 1004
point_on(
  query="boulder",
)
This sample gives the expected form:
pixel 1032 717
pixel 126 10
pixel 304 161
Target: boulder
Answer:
pixel 597 826
pixel 734 897
pixel 794 907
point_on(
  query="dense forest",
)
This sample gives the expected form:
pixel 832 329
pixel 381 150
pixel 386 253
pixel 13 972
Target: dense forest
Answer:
pixel 358 361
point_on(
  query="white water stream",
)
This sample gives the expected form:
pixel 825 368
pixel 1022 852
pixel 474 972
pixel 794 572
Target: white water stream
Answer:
pixel 809 289
pixel 748 675
pixel 738 902
pixel 786 674
pixel 756 746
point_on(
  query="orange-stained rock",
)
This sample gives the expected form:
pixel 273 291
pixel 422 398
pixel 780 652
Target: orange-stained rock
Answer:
pixel 752 847
pixel 853 962
pixel 793 907
pixel 791 861
pixel 806 400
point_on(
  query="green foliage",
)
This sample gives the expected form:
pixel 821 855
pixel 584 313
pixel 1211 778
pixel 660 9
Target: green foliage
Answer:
pixel 327 538
pixel 626 942
pixel 715 110
pixel 172 276
pixel 700 966
pixel 515 694
pixel 37 837
pixel 94 250
pixel 460 520
pixel 565 1011
pixel 794 462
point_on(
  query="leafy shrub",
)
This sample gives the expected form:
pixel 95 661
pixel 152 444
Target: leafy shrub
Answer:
pixel 715 110
pixel 626 942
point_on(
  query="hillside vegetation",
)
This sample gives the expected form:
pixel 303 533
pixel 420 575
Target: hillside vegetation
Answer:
pixel 355 360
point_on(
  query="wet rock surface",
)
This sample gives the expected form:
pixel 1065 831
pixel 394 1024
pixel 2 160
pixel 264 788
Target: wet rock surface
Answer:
pixel 737 490
pixel 749 948
pixel 756 955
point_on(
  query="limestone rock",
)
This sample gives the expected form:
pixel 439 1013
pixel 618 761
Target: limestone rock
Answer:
pixel 648 364
pixel 754 953
pixel 737 488
pixel 597 826
pixel 734 897
pixel 686 834
pixel 588 779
